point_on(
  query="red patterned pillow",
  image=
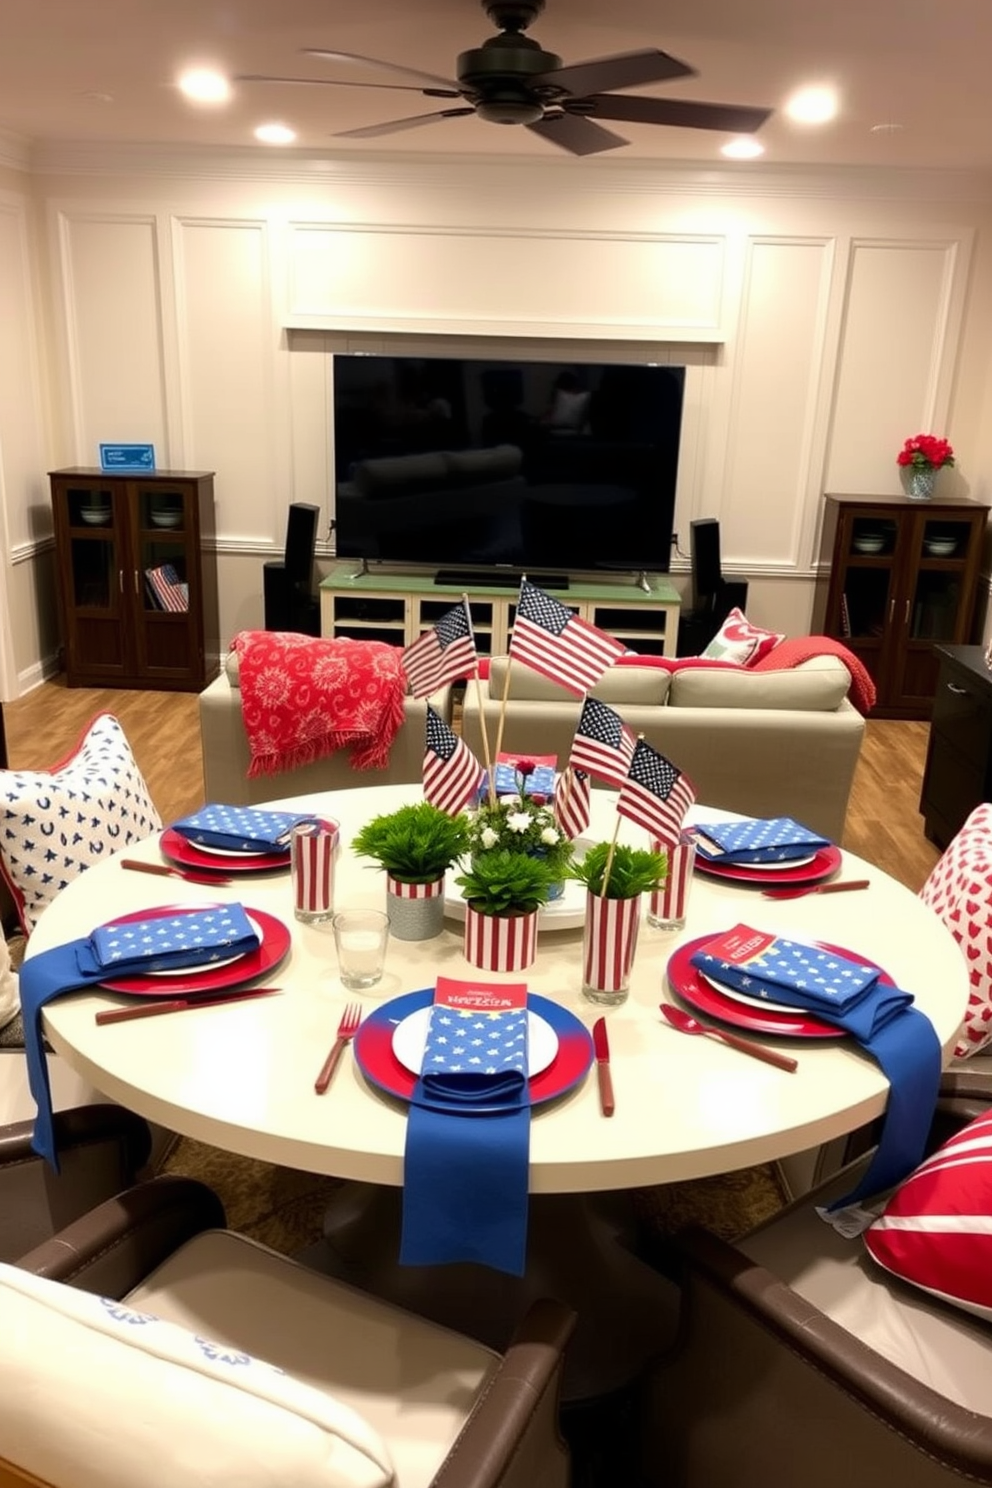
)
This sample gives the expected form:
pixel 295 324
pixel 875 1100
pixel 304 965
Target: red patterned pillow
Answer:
pixel 936 1230
pixel 738 640
pixel 959 890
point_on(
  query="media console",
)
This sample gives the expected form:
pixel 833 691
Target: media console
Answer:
pixel 398 607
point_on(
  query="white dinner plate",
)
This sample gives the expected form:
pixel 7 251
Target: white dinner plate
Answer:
pixel 761 867
pixel 178 971
pixel 235 852
pixel 773 1007
pixel 410 1038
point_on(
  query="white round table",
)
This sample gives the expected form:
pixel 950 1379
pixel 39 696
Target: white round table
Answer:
pixel 241 1077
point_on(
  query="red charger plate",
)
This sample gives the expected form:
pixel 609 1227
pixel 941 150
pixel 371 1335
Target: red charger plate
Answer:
pixel 276 939
pixel 693 988
pixel 825 862
pixel 174 846
pixel 374 1055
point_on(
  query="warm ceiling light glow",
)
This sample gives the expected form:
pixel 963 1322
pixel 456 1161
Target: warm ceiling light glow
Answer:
pixel 203 85
pixel 742 149
pixel 275 134
pixel 813 105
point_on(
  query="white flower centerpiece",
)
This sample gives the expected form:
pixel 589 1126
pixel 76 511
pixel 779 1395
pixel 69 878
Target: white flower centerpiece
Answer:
pixel 522 823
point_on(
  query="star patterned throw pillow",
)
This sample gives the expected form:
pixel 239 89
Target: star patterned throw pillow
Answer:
pixel 55 823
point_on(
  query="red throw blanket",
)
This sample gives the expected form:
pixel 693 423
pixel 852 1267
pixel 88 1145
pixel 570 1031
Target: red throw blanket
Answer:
pixel 302 698
pixel 792 652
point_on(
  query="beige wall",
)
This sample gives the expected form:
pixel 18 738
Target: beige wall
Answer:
pixel 197 304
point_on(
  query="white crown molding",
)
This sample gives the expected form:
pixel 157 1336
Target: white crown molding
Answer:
pixel 610 175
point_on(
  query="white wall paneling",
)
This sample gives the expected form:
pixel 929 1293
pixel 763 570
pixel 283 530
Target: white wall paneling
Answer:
pixel 638 286
pixel 898 344
pixel 112 330
pixel 773 455
pixel 232 421
pixel 24 506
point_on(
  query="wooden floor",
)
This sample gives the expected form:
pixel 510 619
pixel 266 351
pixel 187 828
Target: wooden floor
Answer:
pixel 883 822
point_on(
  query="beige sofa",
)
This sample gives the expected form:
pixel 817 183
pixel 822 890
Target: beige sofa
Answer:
pixel 764 743
pixel 226 756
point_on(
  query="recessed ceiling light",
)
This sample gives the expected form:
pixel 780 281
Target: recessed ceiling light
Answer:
pixel 275 134
pixel 813 105
pixel 742 149
pixel 204 85
pixel 886 128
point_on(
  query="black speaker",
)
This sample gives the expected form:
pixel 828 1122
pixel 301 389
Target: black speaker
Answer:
pixel 290 603
pixel 301 544
pixel 704 550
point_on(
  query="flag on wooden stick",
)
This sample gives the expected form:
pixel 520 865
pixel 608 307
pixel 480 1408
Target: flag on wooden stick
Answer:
pixel 452 774
pixel 554 641
pixel 443 654
pixel 656 795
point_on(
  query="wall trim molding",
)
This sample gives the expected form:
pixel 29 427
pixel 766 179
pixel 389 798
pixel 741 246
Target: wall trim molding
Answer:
pixel 615 176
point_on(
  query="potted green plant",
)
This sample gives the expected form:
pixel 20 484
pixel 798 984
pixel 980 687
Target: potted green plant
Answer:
pixel 504 890
pixel 415 845
pixel 522 823
pixel 615 877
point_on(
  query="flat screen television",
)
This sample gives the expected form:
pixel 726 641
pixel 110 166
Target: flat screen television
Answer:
pixel 477 467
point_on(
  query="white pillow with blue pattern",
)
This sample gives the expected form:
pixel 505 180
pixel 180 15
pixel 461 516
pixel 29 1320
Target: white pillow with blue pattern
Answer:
pixel 55 823
pixel 96 1394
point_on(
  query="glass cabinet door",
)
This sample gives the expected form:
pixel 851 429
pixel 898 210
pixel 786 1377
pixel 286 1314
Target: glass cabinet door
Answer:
pixel 96 562
pixel 936 598
pixel 866 600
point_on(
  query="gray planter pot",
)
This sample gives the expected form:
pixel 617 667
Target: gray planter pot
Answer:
pixel 415 911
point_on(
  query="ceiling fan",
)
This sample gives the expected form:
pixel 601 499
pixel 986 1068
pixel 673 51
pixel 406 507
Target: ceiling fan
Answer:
pixel 510 79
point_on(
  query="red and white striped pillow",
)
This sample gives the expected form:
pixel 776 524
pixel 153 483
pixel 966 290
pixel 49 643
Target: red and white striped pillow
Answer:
pixel 959 890
pixel 936 1230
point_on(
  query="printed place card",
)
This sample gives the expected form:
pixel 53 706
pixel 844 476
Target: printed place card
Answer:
pixel 479 997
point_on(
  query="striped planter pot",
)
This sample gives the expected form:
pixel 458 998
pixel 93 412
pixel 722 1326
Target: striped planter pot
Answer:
pixel 609 939
pixel 500 942
pixel 414 911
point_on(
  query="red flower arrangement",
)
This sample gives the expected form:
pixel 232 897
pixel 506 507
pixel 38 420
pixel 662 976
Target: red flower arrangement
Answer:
pixel 925 452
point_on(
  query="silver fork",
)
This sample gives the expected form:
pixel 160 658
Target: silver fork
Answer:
pixel 347 1028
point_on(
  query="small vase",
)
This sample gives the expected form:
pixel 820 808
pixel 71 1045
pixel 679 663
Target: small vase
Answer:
pixel 921 482
pixel 415 910
pixel 500 942
pixel 609 939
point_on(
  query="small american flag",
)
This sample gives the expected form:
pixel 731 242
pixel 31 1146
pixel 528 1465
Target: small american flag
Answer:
pixel 452 774
pixel 167 587
pixel 572 803
pixel 442 654
pixel 603 744
pixel 655 795
pixel 556 643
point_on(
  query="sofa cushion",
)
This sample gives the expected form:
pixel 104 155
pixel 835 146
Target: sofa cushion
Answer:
pixel 818 686
pixel 629 684
pixel 935 1231
pixel 55 823
pixel 480 467
pixel 174 1406
pixel 959 890
pixel 739 640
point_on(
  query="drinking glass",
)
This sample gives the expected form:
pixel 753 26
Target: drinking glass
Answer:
pixel 360 936
pixel 667 905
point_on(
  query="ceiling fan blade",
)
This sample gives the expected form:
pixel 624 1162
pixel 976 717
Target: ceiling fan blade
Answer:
pixel 427 79
pixel 372 131
pixel 576 134
pixel 625 70
pixel 731 118
pixel 260 77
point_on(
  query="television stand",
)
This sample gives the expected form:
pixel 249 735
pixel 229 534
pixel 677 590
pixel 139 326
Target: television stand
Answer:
pixel 495 578
pixel 397 608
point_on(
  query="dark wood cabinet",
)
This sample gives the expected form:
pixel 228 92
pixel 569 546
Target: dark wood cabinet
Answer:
pixel 958 774
pixel 897 577
pixel 137 578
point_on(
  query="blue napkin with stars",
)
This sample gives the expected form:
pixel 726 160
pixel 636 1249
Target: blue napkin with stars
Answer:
pixel 849 994
pixel 770 839
pixel 239 828
pixel 160 943
pixel 467 1156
